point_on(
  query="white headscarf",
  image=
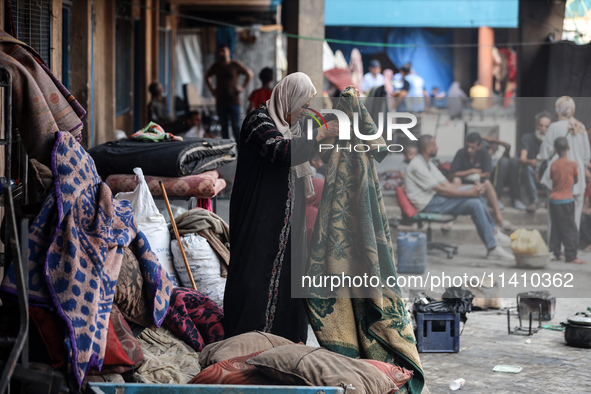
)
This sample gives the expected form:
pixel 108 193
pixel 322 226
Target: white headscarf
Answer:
pixel 565 108
pixel 290 94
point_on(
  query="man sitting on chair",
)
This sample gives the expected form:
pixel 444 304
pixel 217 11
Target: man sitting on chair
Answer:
pixel 429 191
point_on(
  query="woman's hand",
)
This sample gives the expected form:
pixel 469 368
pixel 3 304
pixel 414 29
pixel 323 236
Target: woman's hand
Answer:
pixel 333 130
pixel 356 90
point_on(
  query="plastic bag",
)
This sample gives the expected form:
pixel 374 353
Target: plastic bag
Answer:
pixel 528 242
pixel 204 264
pixel 151 222
pixel 454 300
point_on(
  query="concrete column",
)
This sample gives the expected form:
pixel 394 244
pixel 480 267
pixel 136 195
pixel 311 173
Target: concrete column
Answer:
pixel 486 41
pixel 149 52
pixel 305 18
pixel 462 60
pixel 56 38
pixel 104 71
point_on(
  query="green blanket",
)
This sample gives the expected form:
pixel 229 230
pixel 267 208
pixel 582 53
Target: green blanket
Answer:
pixel 351 235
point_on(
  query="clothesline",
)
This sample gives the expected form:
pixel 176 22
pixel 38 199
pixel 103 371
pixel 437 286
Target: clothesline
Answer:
pixel 347 42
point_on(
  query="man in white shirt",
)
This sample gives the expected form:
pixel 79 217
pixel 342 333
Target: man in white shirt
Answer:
pixel 373 78
pixel 429 191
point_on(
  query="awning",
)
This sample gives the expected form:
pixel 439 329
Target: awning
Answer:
pixel 422 13
pixel 234 5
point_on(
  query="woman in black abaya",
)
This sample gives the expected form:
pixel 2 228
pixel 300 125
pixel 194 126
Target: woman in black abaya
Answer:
pixel 273 179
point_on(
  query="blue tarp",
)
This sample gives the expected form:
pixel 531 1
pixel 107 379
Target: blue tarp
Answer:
pixel 435 65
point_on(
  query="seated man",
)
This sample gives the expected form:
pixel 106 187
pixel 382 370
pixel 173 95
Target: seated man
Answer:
pixel 472 164
pixel 429 191
pixel 502 169
pixel 157 108
pixel 529 148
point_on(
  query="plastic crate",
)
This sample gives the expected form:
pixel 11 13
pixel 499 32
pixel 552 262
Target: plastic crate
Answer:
pixel 438 332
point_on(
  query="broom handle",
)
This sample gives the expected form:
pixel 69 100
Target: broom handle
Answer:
pixel 176 233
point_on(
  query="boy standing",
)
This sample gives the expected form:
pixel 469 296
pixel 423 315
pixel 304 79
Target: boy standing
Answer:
pixel 564 174
pixel 260 96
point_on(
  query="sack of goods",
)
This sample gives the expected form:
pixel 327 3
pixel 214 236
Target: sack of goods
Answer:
pixel 528 242
pixel 151 222
pixel 204 264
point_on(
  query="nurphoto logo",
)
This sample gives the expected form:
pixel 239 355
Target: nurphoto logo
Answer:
pixel 391 126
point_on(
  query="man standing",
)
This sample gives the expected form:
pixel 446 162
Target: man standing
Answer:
pixel 529 148
pixel 416 99
pixel 429 191
pixel 373 78
pixel 227 90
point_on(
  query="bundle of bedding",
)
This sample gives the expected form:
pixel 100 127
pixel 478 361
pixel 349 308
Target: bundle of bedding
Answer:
pixel 261 358
pixel 165 158
pixel 75 256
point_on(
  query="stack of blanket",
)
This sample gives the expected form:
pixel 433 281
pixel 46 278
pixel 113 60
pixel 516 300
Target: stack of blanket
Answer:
pixel 78 241
pixel 42 104
pixel 165 158
pixel 75 254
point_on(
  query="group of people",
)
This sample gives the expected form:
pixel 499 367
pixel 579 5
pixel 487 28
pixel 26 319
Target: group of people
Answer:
pixel 555 156
pixel 406 87
pixel 226 79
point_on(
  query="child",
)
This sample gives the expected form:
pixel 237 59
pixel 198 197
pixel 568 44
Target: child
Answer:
pixel 564 174
pixel 260 96
pixel 410 152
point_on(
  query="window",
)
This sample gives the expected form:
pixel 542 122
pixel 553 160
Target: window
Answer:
pixel 66 8
pixel 32 19
pixel 123 49
pixel 165 54
pixel 164 62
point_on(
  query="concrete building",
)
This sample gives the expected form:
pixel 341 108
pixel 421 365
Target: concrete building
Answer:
pixel 107 52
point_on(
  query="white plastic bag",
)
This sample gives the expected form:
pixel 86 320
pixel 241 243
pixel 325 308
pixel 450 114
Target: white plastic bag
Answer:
pixel 204 264
pixel 151 222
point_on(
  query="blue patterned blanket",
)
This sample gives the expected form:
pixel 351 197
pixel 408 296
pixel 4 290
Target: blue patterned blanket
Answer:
pixel 75 254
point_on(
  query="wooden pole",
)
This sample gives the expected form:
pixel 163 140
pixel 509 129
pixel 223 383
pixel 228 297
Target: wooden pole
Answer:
pixel 176 233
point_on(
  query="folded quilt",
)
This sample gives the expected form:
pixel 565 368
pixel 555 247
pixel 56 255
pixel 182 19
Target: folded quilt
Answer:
pixel 166 158
pixel 44 106
pixel 75 254
pixel 205 185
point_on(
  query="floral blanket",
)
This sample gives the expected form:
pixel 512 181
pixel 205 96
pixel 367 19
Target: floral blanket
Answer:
pixel 75 254
pixel 194 318
pixel 352 236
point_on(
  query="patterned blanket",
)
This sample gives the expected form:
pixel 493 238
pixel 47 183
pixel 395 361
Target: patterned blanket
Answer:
pixel 75 253
pixel 351 235
pixel 44 106
pixel 194 318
